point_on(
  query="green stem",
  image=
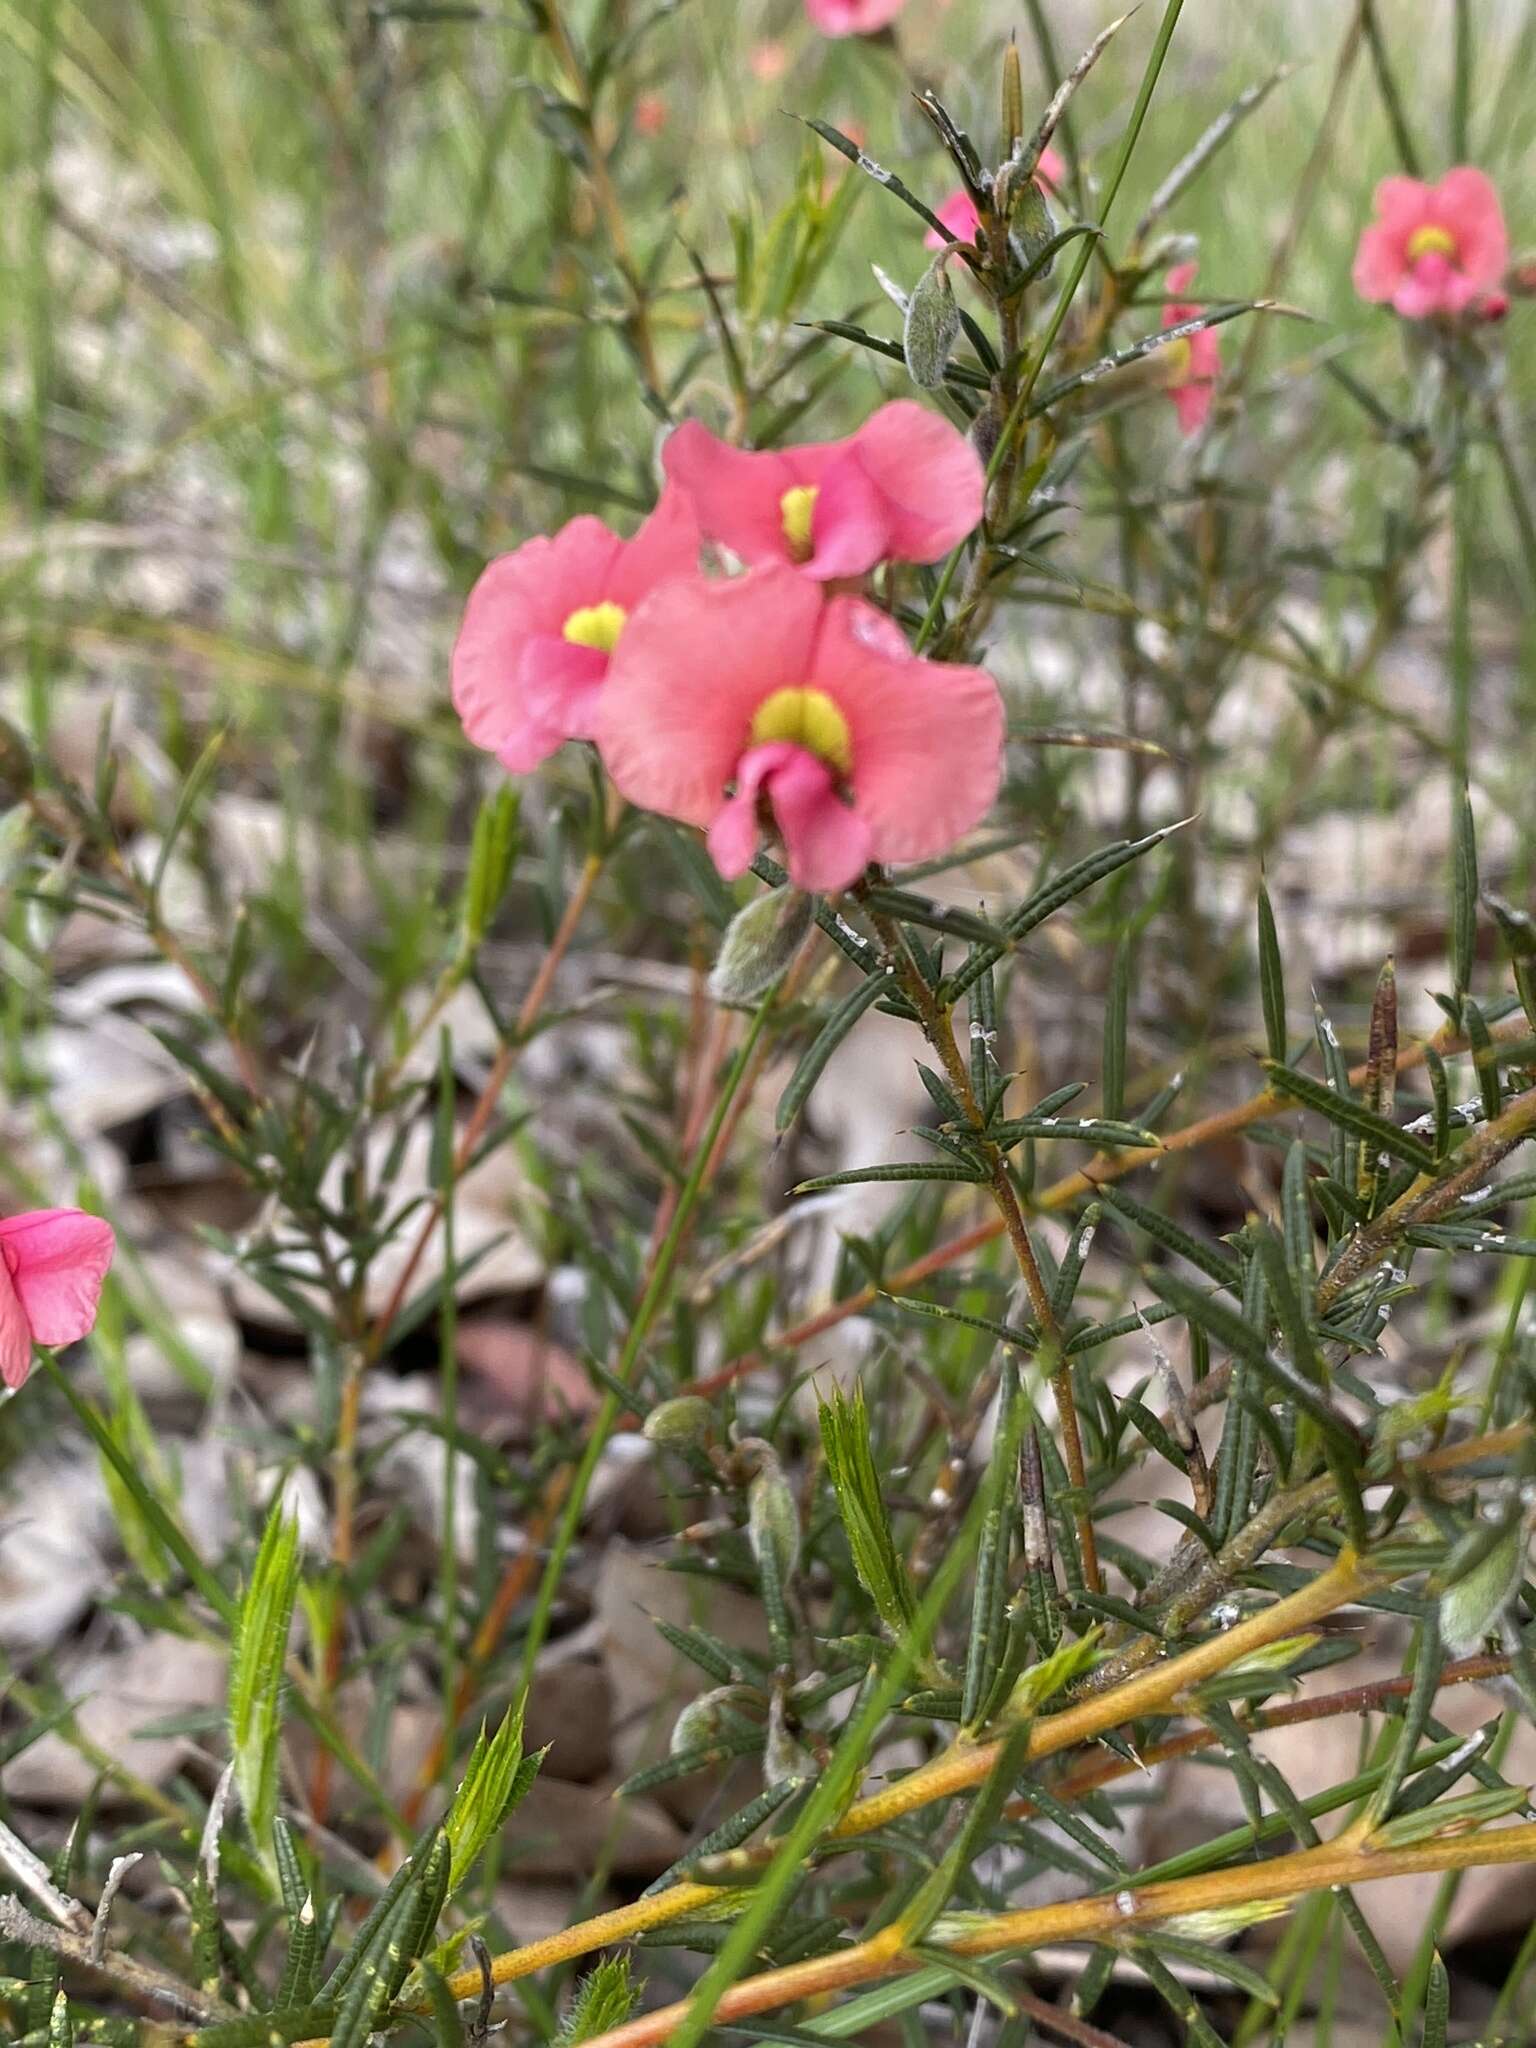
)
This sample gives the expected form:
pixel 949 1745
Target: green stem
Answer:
pixel 834 1788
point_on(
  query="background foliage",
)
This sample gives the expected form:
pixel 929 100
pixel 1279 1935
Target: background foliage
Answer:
pixel 312 306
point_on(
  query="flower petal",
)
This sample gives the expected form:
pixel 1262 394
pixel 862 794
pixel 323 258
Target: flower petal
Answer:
pixel 926 738
pixel 959 215
pixel 826 845
pixel 665 545
pixel 1380 264
pixel 1467 202
pixel 737 495
pixel 57 1260
pixel 929 474
pixel 531 591
pixel 691 667
pixel 850 522
pixel 15 1335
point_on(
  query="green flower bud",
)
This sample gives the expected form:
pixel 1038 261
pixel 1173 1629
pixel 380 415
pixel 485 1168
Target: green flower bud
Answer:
pixel 680 1425
pixel 773 1520
pixel 759 944
pixel 932 326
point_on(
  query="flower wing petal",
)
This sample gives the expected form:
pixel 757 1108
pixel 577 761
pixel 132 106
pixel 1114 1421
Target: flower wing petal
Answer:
pixel 57 1260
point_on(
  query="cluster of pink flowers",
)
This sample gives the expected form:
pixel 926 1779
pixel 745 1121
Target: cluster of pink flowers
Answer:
pixel 760 701
pixel 52 1264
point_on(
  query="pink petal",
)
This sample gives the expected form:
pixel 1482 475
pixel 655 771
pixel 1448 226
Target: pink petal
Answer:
pixel 1192 403
pixel 827 845
pixel 693 665
pixel 737 495
pixel 852 17
pixel 666 545
pixel 559 684
pixel 1403 204
pixel 926 738
pixel 1052 167
pixel 929 474
pixel 1178 280
pixel 531 591
pixel 57 1260
pixel 733 834
pixel 15 1336
pixel 959 215
pixel 1468 204
pixel 850 521
pixel 1380 264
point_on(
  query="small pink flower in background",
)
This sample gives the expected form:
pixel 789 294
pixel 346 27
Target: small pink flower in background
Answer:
pixel 728 701
pixel 959 214
pixel 52 1264
pixel 906 487
pixel 1433 248
pixel 650 113
pixel 1197 358
pixel 542 622
pixel 852 17
pixel 768 61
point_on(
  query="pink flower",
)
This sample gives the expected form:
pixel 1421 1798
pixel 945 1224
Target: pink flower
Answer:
pixel 906 487
pixel 768 61
pixel 52 1264
pixel 1433 248
pixel 959 215
pixel 852 17
pixel 1196 359
pixel 650 114
pixel 542 622
pixel 733 703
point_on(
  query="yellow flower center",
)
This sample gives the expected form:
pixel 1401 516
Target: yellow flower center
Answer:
pixel 806 718
pixel 1430 241
pixel 796 508
pixel 596 625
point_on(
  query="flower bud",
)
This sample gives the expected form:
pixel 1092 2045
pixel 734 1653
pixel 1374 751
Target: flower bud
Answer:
pixel 773 1520
pixel 1013 98
pixel 932 326
pixel 704 1720
pixel 680 1425
pixel 759 944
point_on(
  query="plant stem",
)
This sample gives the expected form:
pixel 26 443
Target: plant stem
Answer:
pixel 1108 1166
pixel 360 1356
pixel 645 1315
pixel 939 1032
pixel 963 1765
pixel 1279 1878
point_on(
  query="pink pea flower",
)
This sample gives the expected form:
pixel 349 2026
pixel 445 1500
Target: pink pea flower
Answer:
pixel 958 212
pixel 733 704
pixel 542 622
pixel 767 61
pixel 650 114
pixel 52 1264
pixel 906 487
pixel 1433 248
pixel 852 17
pixel 1196 359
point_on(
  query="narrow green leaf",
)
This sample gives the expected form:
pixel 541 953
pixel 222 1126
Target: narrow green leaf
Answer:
pixel 1220 1265
pixel 908 1170
pixel 1271 979
pixel 813 1060
pixel 1348 1115
pixel 855 1481
pixel 258 1655
pixel 1463 896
